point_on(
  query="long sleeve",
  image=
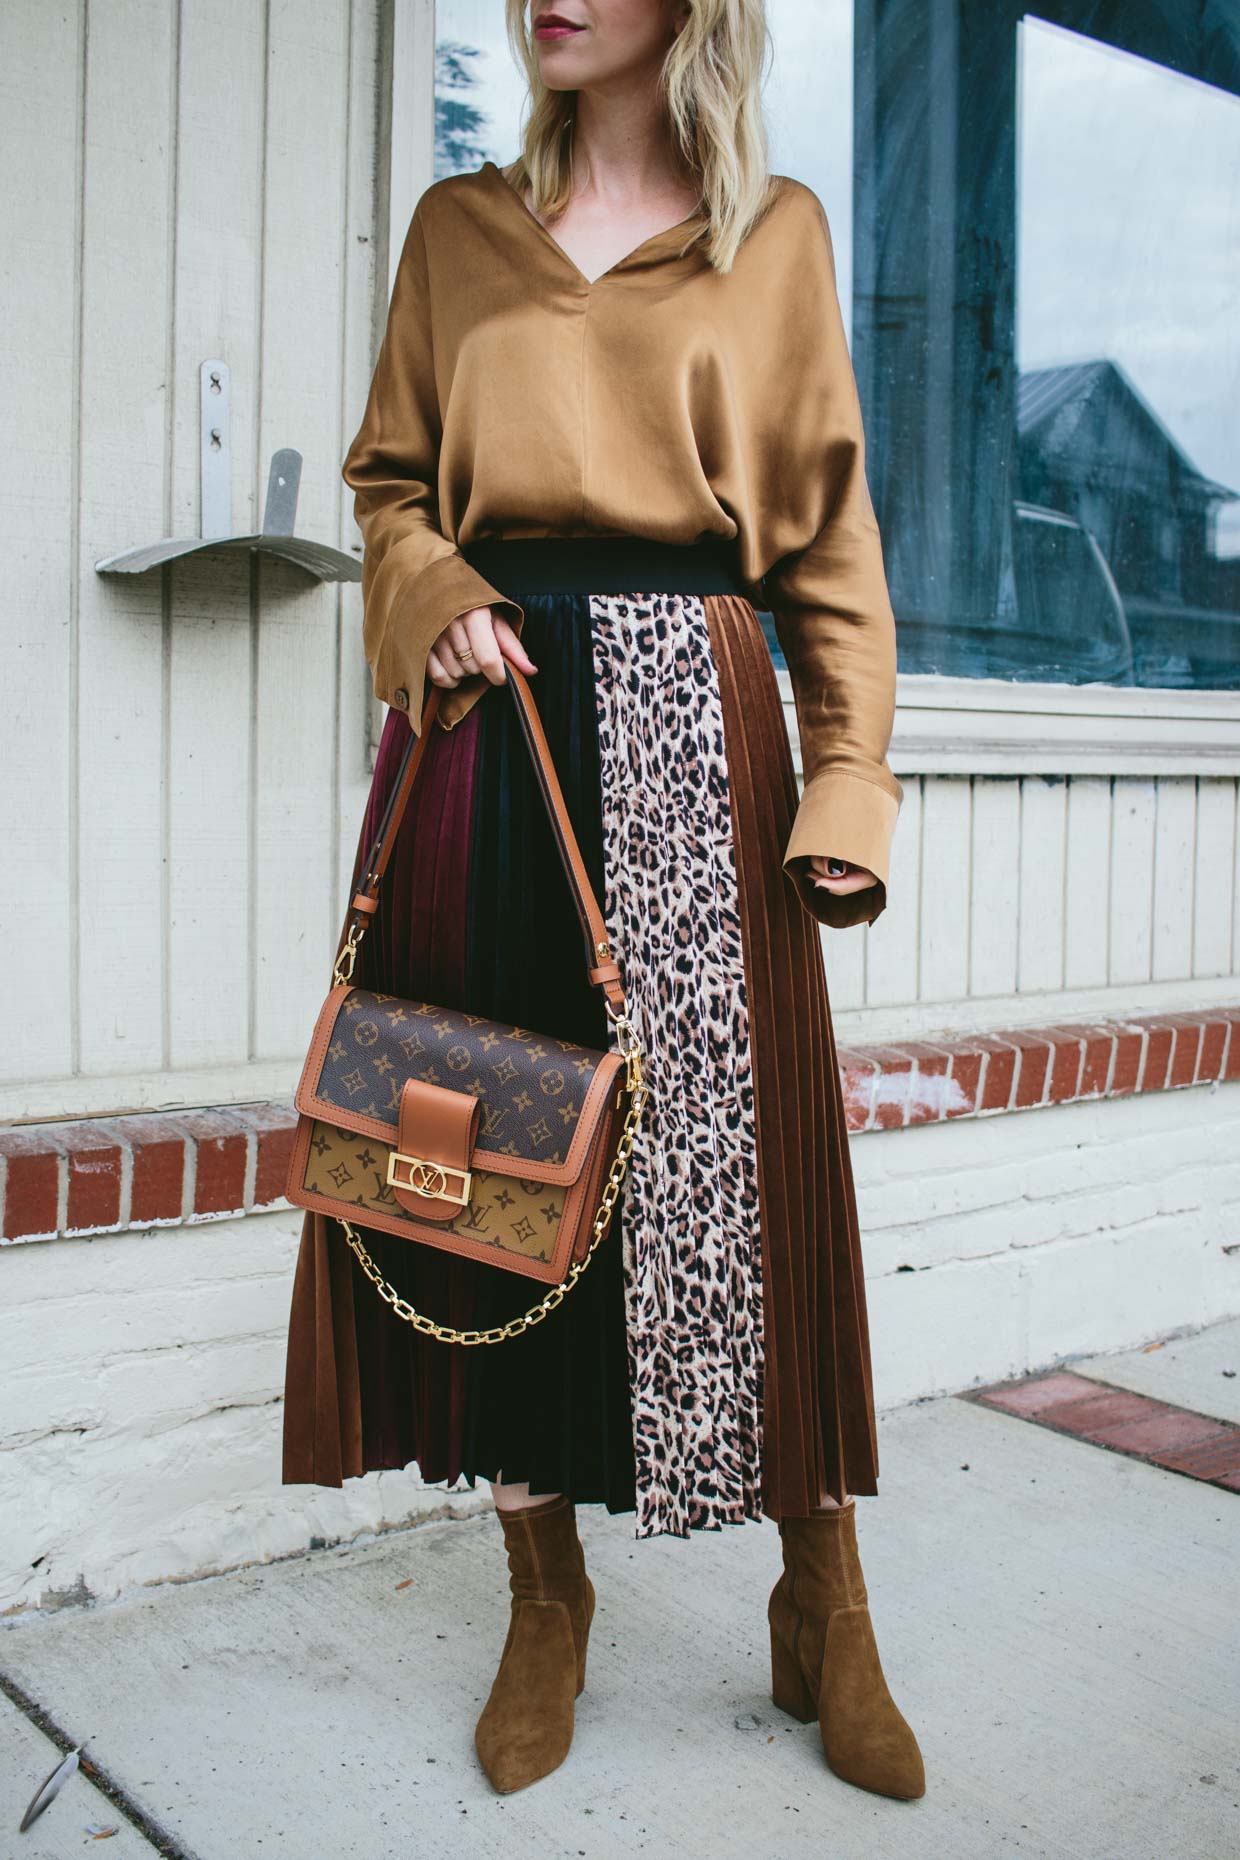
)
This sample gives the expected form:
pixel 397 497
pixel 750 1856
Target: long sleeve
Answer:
pixel 831 606
pixel 414 579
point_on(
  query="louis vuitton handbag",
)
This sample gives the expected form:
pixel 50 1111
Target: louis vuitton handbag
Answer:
pixel 457 1131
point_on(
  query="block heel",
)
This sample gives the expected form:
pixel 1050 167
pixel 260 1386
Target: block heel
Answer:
pixel 788 1688
pixel 581 1657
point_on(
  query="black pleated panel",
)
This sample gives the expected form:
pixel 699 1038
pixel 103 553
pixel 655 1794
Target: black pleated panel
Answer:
pixel 553 1405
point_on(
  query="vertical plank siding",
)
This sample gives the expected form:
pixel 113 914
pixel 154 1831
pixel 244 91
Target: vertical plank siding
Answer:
pixel 1214 929
pixel 1087 882
pixel 123 466
pixel 41 73
pixel 1026 885
pixel 307 129
pixel 218 310
pixel 187 756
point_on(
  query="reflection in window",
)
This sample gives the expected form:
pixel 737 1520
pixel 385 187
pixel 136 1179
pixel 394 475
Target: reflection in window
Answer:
pixel 479 90
pixel 1081 376
pixel 1129 387
pixel 808 104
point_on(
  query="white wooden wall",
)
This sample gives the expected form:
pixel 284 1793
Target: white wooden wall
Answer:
pixel 186 762
pixel 1034 895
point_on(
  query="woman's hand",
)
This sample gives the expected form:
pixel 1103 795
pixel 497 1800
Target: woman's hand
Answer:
pixel 838 876
pixel 476 642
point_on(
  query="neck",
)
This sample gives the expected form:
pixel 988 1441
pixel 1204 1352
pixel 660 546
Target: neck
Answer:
pixel 622 150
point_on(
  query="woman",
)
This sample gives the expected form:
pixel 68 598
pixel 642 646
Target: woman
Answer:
pixel 593 452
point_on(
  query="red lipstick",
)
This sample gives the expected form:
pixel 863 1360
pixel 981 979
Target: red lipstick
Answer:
pixel 555 26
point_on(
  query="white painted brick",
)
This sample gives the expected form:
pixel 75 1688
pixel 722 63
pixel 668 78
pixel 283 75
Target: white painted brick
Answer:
pixel 976 1235
pixel 1104 1211
pixel 166 1387
pixel 1027 1250
pixel 1137 1285
pixel 45 1398
pixel 945 1328
pixel 170 1353
pixel 139 1290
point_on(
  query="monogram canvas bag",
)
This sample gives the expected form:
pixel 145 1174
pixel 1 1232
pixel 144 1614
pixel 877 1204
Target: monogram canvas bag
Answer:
pixel 458 1131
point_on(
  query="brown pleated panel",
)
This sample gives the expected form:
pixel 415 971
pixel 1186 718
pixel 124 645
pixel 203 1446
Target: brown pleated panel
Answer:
pixel 322 1401
pixel 818 1406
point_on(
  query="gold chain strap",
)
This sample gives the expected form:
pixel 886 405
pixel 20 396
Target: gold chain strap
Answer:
pixel 638 1092
pixel 535 1315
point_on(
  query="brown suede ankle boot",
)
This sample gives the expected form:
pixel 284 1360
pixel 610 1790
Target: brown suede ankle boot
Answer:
pixel 824 1661
pixel 526 1726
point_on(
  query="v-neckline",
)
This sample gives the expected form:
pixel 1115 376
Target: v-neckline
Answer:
pixel 558 249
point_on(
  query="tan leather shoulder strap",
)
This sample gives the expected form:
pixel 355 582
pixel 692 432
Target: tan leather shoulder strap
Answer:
pixel 601 966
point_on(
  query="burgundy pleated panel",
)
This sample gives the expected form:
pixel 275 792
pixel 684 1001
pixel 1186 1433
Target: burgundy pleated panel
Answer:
pixel 362 1392
pixel 818 1405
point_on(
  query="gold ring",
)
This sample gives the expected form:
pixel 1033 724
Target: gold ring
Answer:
pixel 466 652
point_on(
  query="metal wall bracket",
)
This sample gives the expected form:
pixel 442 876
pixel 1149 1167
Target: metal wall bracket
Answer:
pixel 214 515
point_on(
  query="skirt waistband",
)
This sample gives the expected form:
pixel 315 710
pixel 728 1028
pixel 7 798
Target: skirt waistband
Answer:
pixel 603 564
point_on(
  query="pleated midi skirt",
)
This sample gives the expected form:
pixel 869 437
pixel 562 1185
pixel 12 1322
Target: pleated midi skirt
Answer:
pixel 712 1364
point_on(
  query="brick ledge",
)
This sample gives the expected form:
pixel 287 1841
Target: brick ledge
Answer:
pixel 145 1169
pixel 890 1087
pixel 178 1168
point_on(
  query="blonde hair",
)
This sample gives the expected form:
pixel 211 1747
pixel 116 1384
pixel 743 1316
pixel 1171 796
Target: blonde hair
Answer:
pixel 710 84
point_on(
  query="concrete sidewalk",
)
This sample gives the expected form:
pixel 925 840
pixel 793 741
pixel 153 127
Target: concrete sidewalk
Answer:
pixel 1059 1623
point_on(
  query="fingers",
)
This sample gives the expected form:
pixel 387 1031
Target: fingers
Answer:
pixel 852 881
pixel 509 643
pixel 475 642
pixel 467 646
pixel 852 878
pixel 473 639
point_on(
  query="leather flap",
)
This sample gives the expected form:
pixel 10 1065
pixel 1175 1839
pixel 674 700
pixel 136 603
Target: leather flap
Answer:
pixel 428 1171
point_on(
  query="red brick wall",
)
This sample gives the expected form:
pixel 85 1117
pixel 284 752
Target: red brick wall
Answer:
pixel 102 1175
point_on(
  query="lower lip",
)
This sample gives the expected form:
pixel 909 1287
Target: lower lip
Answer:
pixel 556 32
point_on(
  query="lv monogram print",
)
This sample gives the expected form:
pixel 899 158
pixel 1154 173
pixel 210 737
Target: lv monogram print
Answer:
pixel 512 1215
pixel 531 1088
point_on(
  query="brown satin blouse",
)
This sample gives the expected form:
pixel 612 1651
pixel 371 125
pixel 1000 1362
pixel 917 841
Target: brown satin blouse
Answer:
pixel 513 396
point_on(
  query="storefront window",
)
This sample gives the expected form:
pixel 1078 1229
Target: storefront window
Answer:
pixel 1045 281
pixel 1035 245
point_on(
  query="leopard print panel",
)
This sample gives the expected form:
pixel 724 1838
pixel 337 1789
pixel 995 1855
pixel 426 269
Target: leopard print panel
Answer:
pixel 690 1218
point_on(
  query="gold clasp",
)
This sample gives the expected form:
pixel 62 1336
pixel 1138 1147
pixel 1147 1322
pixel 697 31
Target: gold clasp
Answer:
pixel 346 960
pixel 428 1178
pixel 626 1035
